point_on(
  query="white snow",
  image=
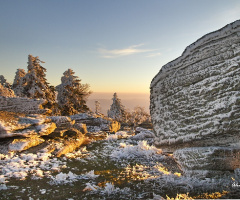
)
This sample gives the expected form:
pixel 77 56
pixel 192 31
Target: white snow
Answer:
pixel 142 149
pixel 34 165
pixel 143 134
pixel 117 135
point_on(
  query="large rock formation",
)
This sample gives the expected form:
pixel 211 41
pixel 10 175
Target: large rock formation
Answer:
pixel 195 102
pixel 195 99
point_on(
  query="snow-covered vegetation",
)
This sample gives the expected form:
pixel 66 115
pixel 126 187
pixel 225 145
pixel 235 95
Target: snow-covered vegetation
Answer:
pixel 117 110
pixel 66 99
pixel 72 94
pixel 112 168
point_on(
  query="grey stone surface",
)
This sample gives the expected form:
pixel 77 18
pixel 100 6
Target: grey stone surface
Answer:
pixel 195 99
pixel 208 161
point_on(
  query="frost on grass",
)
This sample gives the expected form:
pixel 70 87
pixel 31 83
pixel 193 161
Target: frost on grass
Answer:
pixel 21 166
pixel 117 135
pixel 66 178
pixel 142 149
pixel 63 178
pixel 108 189
pixel 80 153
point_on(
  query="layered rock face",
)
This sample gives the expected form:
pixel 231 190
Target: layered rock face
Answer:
pixel 195 99
pixel 21 105
pixel 208 161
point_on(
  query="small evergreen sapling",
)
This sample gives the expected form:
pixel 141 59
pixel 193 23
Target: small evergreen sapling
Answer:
pixel 117 110
pixel 18 83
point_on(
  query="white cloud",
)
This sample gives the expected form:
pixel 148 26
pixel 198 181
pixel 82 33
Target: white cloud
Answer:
pixel 114 53
pixel 154 54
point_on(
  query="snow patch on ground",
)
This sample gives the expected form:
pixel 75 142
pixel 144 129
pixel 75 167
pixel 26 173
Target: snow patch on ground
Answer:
pixel 23 165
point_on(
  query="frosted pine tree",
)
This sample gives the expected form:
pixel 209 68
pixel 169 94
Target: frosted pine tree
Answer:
pixel 4 82
pixel 18 83
pixel 6 92
pixel 72 95
pixel 35 83
pixel 97 107
pixel 117 110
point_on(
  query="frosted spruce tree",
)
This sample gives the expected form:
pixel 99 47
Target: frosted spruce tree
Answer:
pixel 6 92
pixel 117 110
pixel 4 82
pixel 72 95
pixel 18 83
pixel 97 107
pixel 35 83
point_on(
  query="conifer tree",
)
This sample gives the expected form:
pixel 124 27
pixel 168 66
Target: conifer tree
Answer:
pixel 117 110
pixel 72 95
pixel 6 92
pixel 4 82
pixel 97 107
pixel 35 83
pixel 18 83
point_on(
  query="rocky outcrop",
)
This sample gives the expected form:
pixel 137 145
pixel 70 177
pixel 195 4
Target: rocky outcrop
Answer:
pixel 195 105
pixel 12 125
pixel 56 134
pixel 195 99
pixel 72 144
pixel 22 105
pixel 19 132
pixel 96 123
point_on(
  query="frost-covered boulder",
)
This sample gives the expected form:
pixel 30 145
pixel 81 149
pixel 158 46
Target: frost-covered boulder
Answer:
pixel 195 99
pixel 22 105
pixel 18 145
pixel 12 125
pixel 208 161
pixel 143 134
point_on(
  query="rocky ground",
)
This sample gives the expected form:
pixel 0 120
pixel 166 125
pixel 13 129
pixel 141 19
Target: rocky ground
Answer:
pixel 124 165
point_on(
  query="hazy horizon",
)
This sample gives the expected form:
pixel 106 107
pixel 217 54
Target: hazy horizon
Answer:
pixel 129 100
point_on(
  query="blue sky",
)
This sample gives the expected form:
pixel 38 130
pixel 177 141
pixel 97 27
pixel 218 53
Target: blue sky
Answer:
pixel 115 46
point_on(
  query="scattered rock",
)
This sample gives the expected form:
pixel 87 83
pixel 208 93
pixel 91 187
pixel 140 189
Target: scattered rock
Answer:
pixel 96 123
pixel 143 134
pixel 18 145
pixel 72 144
